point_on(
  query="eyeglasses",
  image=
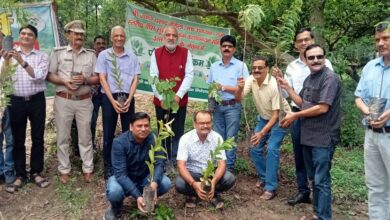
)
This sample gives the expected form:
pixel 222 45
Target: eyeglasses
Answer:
pixel 318 57
pixel 299 41
pixel 227 46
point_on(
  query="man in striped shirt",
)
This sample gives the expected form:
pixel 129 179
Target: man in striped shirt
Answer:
pixel 28 102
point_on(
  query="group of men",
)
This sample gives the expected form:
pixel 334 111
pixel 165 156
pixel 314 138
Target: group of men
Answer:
pixel 82 75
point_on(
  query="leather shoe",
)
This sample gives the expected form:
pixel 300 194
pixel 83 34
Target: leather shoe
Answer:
pixel 88 177
pixel 299 198
pixel 64 178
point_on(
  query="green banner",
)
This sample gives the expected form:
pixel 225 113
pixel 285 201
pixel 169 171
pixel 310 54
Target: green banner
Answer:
pixel 41 16
pixel 144 33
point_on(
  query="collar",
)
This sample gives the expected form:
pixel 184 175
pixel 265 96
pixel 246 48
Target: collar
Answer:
pixel 233 61
pixel 381 62
pixel 126 52
pixel 299 61
pixel 69 48
pixel 265 82
pixel 195 137
pixel 19 49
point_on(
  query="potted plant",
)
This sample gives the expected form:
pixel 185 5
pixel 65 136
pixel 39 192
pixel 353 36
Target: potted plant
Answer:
pixel 214 96
pixel 157 151
pixel 209 171
pixel 116 73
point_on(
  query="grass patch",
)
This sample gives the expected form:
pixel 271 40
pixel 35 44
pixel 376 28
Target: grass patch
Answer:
pixel 348 174
pixel 74 197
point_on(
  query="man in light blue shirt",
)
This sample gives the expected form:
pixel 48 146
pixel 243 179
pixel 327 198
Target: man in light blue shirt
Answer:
pixel 114 90
pixel 375 83
pixel 227 114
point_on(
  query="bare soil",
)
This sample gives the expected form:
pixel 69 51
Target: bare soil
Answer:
pixel 241 202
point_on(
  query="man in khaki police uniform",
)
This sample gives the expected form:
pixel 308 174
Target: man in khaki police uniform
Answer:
pixel 71 70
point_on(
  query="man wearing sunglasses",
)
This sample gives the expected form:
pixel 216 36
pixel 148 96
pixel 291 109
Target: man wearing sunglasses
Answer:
pixel 227 114
pixel 319 101
pixel 296 73
pixel 375 82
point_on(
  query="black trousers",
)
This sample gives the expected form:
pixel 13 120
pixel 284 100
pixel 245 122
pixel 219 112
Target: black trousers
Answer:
pixel 33 109
pixel 172 144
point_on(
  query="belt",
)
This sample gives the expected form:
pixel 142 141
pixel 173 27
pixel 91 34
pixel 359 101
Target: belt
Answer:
pixel 27 98
pixel 385 129
pixel 228 102
pixel 73 97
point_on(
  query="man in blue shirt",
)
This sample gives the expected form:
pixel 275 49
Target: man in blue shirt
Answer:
pixel 375 83
pixel 227 114
pixel 131 174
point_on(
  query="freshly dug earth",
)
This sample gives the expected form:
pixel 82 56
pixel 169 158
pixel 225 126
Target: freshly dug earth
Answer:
pixel 78 200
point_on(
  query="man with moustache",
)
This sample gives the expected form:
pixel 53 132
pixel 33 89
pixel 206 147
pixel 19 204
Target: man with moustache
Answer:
pixel 268 103
pixel 375 82
pixel 168 62
pixel 193 154
pixel 296 73
pixel 320 118
pixel 71 70
pixel 99 44
pixel 129 69
pixel 131 174
pixel 227 114
pixel 28 103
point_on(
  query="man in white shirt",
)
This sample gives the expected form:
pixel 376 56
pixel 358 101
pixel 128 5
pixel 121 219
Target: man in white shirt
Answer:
pixel 192 156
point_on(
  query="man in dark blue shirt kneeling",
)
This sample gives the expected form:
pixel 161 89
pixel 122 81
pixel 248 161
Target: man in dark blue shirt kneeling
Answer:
pixel 131 174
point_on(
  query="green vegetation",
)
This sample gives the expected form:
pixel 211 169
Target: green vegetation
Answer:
pixel 116 72
pixel 165 132
pixel 6 84
pixel 165 88
pixel 209 171
pixel 74 196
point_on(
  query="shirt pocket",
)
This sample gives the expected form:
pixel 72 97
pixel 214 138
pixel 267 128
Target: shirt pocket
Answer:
pixel 312 94
pixel 87 69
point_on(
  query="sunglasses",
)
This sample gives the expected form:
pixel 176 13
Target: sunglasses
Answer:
pixel 319 57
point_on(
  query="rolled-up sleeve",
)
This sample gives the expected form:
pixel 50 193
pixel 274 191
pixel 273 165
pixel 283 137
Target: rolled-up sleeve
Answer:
pixel 188 77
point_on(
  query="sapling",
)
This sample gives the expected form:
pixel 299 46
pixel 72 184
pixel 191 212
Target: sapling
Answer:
pixel 157 151
pixel 165 89
pixel 214 96
pixel 116 73
pixel 209 172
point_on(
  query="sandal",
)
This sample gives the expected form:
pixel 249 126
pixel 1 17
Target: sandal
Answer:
pixel 18 183
pixel 10 188
pixel 313 217
pixel 268 195
pixel 40 181
pixel 260 184
pixel 217 202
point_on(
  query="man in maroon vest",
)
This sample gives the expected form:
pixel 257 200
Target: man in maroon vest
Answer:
pixel 167 62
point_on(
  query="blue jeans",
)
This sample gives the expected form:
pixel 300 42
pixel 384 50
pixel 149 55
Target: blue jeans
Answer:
pixel 116 195
pixel 6 161
pixel 267 167
pixel 224 184
pixel 318 161
pixel 300 170
pixel 227 124
pixel 97 102
pixel 110 118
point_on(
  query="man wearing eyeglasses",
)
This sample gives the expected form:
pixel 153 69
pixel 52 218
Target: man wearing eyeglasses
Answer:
pixel 320 117
pixel 296 73
pixel 168 62
pixel 268 103
pixel 227 114
pixel 375 82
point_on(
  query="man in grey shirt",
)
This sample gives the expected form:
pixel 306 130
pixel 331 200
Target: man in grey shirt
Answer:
pixel 320 114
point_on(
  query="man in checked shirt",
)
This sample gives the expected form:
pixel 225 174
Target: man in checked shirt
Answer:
pixel 28 102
